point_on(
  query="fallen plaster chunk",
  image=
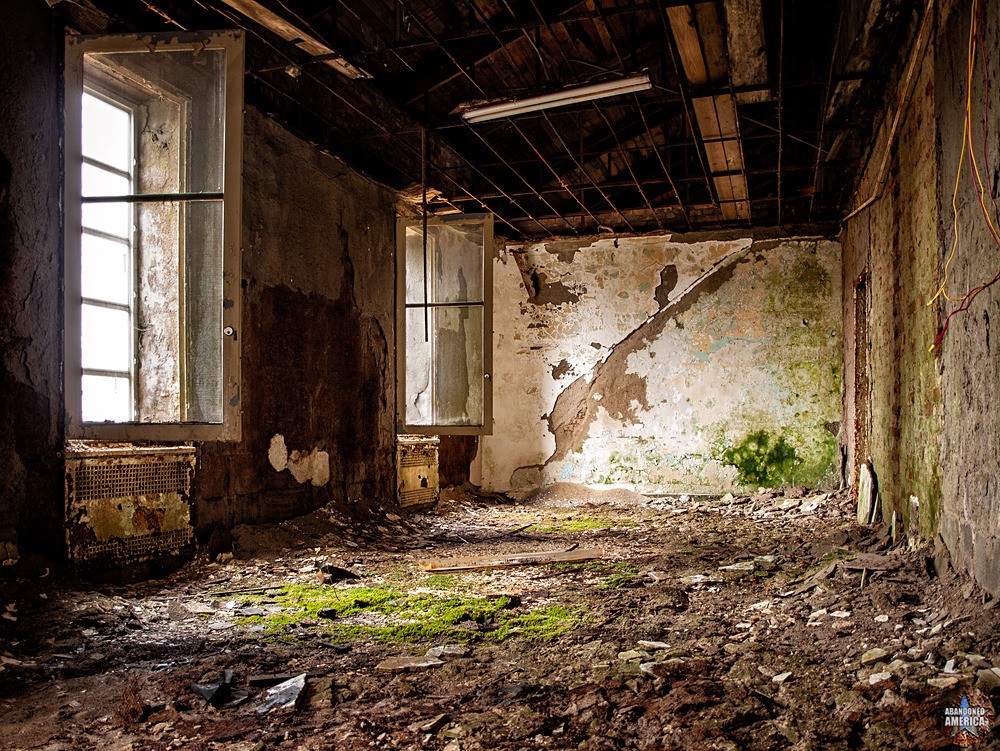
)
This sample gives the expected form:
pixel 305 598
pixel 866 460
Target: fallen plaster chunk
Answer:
pixel 652 645
pixel 397 664
pixel 284 695
pixel 873 655
pixel 943 682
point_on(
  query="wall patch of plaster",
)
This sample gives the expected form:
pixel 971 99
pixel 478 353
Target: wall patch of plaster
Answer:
pixel 277 454
pixel 305 466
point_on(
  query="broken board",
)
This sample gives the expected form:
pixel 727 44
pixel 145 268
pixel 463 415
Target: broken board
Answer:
pixel 515 559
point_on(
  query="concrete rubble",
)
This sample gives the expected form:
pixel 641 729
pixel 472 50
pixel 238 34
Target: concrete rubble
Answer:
pixel 743 622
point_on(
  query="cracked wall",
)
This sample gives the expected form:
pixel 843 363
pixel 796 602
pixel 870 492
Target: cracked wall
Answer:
pixel 652 362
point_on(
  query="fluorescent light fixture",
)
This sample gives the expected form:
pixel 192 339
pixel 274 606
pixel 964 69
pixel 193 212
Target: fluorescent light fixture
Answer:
pixel 558 99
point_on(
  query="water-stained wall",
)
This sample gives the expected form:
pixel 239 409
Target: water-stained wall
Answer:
pixel 969 357
pixel 666 364
pixel 318 318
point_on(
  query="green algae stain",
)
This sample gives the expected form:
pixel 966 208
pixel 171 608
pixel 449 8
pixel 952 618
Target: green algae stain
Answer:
pixel 761 461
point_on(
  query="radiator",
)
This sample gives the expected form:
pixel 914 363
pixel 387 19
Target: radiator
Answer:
pixel 127 505
pixel 417 470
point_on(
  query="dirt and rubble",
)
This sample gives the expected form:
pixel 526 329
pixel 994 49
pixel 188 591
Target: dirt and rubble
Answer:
pixel 766 622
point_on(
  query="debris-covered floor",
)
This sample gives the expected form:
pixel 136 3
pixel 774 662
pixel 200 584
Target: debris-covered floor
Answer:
pixel 753 623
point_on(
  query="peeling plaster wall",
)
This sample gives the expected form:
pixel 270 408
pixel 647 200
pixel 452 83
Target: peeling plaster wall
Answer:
pixel 318 320
pixel 31 424
pixel 639 361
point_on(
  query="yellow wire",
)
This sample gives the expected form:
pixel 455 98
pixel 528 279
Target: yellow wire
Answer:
pixel 966 138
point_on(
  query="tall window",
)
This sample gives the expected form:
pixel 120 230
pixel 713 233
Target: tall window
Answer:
pixel 444 324
pixel 107 319
pixel 153 136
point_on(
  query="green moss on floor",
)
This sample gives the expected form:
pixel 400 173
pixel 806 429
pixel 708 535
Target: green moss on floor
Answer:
pixel 570 525
pixel 626 577
pixel 392 615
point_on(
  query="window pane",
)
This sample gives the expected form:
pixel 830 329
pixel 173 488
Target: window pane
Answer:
pixel 106 398
pixel 444 376
pixel 454 263
pixel 181 105
pixel 110 218
pixel 106 267
pixel 100 182
pixel 202 339
pixel 106 338
pixel 107 133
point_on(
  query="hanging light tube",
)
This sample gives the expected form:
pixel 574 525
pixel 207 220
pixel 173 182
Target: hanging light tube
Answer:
pixel 558 99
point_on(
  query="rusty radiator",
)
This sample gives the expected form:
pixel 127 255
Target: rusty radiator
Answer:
pixel 127 505
pixel 417 470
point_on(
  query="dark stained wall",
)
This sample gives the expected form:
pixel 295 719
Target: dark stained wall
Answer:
pixel 317 314
pixel 30 277
pixel 970 358
pixel 317 335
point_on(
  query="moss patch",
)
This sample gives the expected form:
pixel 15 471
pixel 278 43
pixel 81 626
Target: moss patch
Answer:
pixel 581 524
pixel 626 577
pixel 391 615
pixel 761 460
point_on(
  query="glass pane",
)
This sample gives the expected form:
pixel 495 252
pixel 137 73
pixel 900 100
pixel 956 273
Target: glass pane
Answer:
pixel 106 338
pixel 106 398
pixel 202 337
pixel 110 218
pixel 107 133
pixel 106 268
pixel 100 182
pixel 454 262
pixel 444 375
pixel 181 105
pixel 419 389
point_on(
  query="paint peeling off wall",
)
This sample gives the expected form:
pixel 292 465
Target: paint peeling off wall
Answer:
pixel 306 466
pixel 666 366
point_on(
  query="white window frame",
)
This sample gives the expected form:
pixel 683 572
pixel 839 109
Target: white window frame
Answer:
pixel 402 427
pixel 230 428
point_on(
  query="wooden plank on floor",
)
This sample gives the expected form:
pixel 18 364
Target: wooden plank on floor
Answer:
pixel 515 559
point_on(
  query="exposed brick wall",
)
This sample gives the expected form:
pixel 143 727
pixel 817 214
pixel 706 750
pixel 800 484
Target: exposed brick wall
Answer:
pixel 934 434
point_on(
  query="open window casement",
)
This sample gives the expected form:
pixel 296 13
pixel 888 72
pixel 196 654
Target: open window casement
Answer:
pixel 152 236
pixel 444 326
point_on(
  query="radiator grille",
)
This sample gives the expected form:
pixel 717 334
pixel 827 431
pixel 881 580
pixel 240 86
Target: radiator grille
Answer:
pixel 99 481
pixel 417 470
pixel 127 507
pixel 128 550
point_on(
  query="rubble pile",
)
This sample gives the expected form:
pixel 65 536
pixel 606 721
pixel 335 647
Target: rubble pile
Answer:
pixel 771 621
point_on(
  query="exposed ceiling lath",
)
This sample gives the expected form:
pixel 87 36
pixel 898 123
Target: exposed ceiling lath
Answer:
pixel 757 116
